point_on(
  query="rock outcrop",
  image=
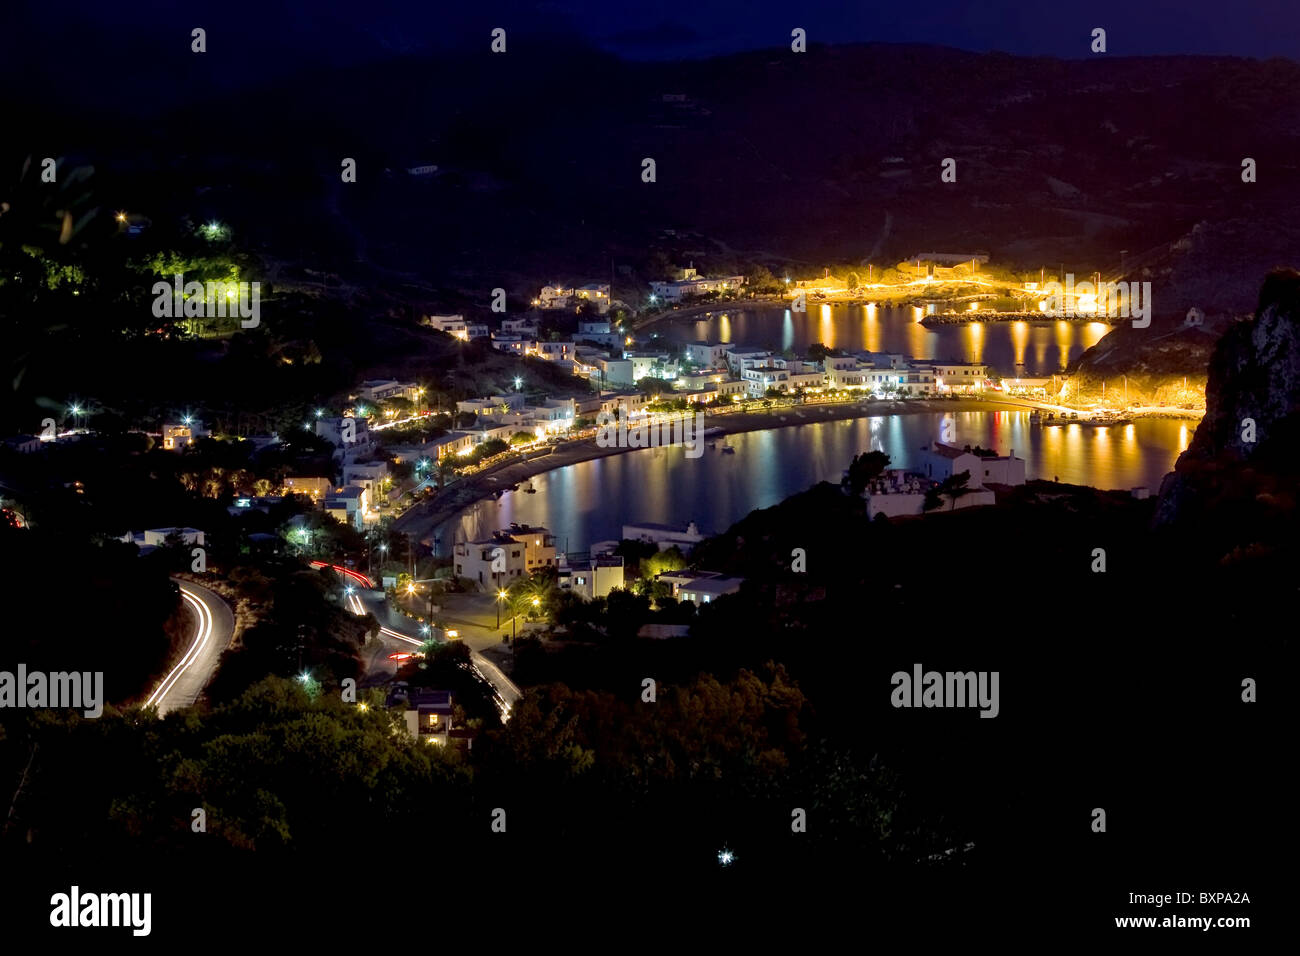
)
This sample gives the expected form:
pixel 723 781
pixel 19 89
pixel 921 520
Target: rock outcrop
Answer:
pixel 1237 481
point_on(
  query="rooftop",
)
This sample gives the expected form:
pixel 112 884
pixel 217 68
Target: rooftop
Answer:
pixel 948 451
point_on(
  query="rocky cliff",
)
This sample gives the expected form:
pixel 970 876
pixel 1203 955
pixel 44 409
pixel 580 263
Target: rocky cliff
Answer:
pixel 1234 489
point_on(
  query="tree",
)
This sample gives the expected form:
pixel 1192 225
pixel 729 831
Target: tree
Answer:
pixel 952 488
pixel 650 385
pixel 864 469
pixel 633 552
pixel 522 438
pixel 670 559
pixel 760 280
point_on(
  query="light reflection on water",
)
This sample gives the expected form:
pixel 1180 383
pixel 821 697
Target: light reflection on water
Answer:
pixel 1044 348
pixel 591 501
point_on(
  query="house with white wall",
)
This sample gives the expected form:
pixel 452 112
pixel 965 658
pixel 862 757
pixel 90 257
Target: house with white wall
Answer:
pixel 705 355
pixel 740 357
pixel 664 535
pixel 517 552
pixel 941 461
pixel 700 587
pixel 960 377
pixel 453 325
pixel 596 293
pixel 759 378
pixel 593 577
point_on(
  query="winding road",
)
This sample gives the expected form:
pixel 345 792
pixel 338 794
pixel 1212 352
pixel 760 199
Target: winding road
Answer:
pixel 214 627
pixel 362 597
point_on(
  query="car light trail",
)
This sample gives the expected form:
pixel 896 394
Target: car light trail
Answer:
pixel 204 635
pixel 401 637
pixel 355 575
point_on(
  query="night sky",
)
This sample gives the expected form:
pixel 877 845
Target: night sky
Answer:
pixel 341 32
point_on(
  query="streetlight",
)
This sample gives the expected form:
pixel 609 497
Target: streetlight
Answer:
pixel 518 383
pixel 501 596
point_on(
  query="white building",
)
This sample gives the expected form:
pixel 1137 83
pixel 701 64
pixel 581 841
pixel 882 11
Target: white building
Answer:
pixel 614 371
pixel 1002 469
pixel 484 433
pixel 663 535
pixel 595 293
pixel 704 378
pixel 732 388
pixel 740 357
pixel 960 377
pixel 428 715
pixel 555 351
pixel 554 297
pixel 705 355
pixel 369 476
pixel 592 578
pixel 759 378
pixel 700 587
pixel 176 435
pixel 517 552
pixel 811 380
pixel 552 416
pixel 943 461
pixel 345 433
pixel 523 327
pixel 453 443
pixel 917 380
pixel 599 331
pixel 651 365
pixel 492 405
pixel 514 344
pixel 678 289
pixel 348 505
pixel 623 404
pixel 898 494
pixel 453 325
pixel 382 389
pixel 847 371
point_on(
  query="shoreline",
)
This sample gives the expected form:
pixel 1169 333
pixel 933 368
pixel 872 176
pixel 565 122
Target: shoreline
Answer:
pixel 421 520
